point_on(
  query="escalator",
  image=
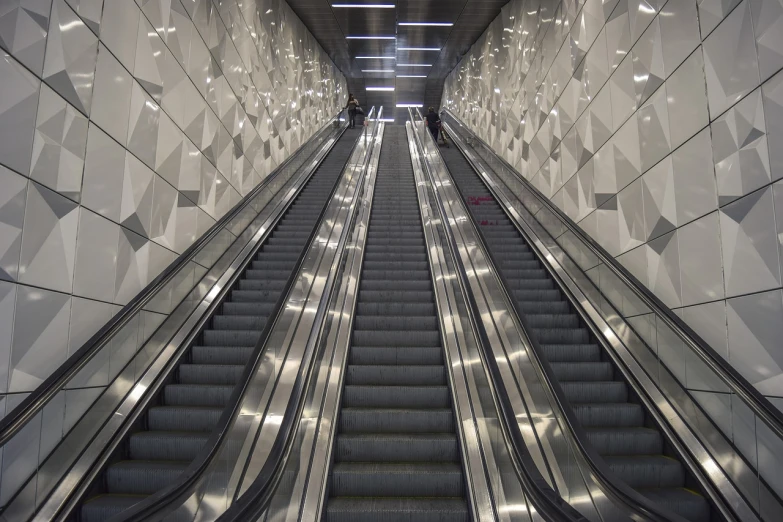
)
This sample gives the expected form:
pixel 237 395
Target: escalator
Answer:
pixel 617 425
pixel 396 452
pixel 178 424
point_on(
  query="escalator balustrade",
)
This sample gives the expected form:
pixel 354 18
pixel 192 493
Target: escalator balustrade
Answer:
pixel 616 424
pixel 175 428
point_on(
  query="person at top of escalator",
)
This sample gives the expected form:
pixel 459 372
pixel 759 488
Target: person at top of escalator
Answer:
pixel 352 105
pixel 433 123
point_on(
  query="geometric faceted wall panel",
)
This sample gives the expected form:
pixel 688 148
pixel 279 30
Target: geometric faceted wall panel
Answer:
pixel 127 128
pixel 658 127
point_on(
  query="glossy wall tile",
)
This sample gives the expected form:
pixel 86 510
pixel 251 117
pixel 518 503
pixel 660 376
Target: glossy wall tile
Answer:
pixel 657 126
pixel 127 128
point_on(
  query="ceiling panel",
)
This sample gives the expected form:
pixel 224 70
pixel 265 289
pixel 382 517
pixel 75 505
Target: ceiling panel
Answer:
pixel 331 26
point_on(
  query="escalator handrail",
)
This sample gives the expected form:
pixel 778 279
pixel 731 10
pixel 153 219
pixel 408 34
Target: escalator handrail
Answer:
pixel 259 494
pixel 610 484
pixel 739 385
pixel 150 507
pixel 543 496
pixel 28 408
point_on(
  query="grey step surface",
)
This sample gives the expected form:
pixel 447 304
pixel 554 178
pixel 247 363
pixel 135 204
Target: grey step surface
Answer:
pixel 396 454
pixel 599 397
pixel 190 407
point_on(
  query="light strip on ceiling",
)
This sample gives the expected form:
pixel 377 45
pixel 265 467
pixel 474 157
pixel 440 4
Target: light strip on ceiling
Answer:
pixel 418 48
pixel 367 6
pixel 409 105
pixel 410 76
pixel 414 65
pixel 388 89
pixel 427 24
pixel 376 57
pixel 370 37
pixel 377 70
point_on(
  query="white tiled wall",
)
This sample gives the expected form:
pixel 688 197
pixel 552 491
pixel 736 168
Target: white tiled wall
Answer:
pixel 658 127
pixel 126 129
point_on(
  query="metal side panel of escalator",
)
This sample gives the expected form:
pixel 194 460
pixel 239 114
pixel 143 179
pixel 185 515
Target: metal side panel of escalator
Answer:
pixel 617 425
pixel 178 424
pixel 396 452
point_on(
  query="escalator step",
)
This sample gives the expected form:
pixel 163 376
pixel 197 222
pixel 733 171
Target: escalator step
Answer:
pixel 398 309
pixel 221 354
pixel 399 509
pixel 626 441
pixel 396 420
pixel 685 502
pixel 142 477
pixel 365 396
pixel 621 415
pixel 104 507
pixel 396 375
pixel 391 322
pixel 396 355
pixel 601 391
pixel 571 352
pixel 181 418
pixel 392 479
pixel 583 371
pixel 238 322
pixel 231 337
pixel 197 395
pixel 648 471
pixel 166 445
pixel 210 373
pixel 409 447
pixel 396 338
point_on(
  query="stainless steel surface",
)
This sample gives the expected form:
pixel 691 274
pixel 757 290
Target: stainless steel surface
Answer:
pixel 456 334
pixel 331 26
pixel 73 461
pixel 540 419
pixel 674 416
pixel 252 432
pixel 306 498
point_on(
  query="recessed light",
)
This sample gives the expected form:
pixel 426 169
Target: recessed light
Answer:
pixel 367 6
pixel 410 76
pixel 414 65
pixel 418 48
pixel 379 88
pixel 371 37
pixel 376 57
pixel 428 24
pixel 377 70
pixel 409 105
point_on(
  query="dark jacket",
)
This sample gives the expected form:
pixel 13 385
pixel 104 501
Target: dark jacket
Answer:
pixel 433 119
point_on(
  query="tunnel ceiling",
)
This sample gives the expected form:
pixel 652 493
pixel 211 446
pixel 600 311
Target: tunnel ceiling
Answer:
pixel 332 26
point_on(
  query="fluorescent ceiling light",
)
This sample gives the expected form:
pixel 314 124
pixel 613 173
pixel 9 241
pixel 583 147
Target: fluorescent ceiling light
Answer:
pixel 371 37
pixel 418 48
pixel 386 120
pixel 414 65
pixel 409 105
pixel 376 57
pixel 428 24
pixel 410 76
pixel 366 6
pixel 377 70
pixel 379 89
